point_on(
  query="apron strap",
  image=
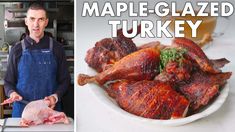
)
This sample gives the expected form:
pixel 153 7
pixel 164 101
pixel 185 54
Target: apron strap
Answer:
pixel 23 45
pixel 51 44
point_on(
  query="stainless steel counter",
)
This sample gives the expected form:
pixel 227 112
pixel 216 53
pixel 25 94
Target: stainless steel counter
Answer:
pixel 13 122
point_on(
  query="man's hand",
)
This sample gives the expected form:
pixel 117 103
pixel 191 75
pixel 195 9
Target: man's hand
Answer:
pixel 52 101
pixel 13 97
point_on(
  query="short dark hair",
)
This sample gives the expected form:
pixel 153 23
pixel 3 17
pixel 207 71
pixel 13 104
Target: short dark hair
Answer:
pixel 37 6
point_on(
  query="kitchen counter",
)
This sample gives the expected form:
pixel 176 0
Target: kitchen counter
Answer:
pixel 41 128
pixel 93 115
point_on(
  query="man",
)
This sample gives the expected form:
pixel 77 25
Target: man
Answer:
pixel 37 66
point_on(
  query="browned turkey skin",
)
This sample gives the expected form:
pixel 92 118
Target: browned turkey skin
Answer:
pixel 140 65
pixel 196 54
pixel 109 50
pixel 197 78
pixel 150 99
pixel 202 87
pixel 180 89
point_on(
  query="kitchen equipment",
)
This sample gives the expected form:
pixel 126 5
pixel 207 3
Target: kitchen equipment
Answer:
pixel 3 124
pixel 13 34
pixel 2 17
pixel 15 28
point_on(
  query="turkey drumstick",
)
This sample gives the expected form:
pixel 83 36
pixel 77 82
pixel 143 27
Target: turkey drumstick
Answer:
pixel 140 65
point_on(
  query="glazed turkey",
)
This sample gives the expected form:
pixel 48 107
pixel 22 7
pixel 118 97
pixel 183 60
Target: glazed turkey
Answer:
pixel 202 87
pixel 198 78
pixel 197 86
pixel 150 99
pixel 141 85
pixel 140 65
pixel 196 54
pixel 109 50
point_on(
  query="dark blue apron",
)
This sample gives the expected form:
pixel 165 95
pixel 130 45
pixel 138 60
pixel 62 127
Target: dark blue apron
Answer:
pixel 36 76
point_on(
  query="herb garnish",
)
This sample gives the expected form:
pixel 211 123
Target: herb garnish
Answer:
pixel 171 54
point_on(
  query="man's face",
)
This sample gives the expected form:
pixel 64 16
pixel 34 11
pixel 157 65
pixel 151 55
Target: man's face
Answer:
pixel 36 21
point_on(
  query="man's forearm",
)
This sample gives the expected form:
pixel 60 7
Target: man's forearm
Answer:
pixel 8 89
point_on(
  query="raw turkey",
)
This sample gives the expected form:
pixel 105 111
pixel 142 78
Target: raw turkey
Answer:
pixel 38 112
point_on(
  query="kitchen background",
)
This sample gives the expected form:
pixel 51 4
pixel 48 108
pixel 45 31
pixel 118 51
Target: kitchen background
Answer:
pixel 12 28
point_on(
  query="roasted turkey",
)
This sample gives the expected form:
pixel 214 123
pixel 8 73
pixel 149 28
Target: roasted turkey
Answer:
pixel 150 99
pixel 109 50
pixel 163 82
pixel 137 66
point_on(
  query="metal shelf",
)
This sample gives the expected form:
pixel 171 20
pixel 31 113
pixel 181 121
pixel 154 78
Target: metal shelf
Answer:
pixel 25 10
pixel 70 59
